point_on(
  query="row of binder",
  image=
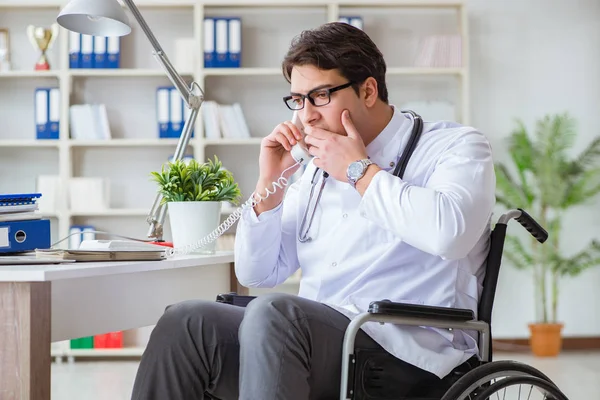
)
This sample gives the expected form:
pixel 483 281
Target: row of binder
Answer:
pixel 79 233
pixel 87 51
pixel 222 42
pixel 171 112
pixel 355 21
pixel 47 112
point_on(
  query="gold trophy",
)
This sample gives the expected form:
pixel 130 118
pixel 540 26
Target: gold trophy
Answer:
pixel 42 39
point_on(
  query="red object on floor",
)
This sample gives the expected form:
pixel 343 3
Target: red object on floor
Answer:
pixel 115 340
pixel 101 341
pixel 166 244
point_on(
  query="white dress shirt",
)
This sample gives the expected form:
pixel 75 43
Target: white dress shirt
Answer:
pixel 422 239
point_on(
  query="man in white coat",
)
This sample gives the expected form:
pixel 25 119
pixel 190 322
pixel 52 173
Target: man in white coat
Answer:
pixel 363 235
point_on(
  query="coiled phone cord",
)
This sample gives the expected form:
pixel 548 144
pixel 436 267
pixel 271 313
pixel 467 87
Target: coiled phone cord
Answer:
pixel 254 199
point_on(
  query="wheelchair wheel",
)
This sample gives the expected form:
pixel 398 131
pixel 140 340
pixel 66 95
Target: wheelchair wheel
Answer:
pixel 473 381
pixel 522 387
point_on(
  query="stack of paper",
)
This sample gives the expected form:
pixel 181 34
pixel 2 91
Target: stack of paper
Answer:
pixel 89 122
pixel 101 255
pixel 224 121
pixel 19 207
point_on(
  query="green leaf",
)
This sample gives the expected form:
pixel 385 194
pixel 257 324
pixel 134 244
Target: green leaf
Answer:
pixel 523 154
pixel 585 259
pixel 515 252
pixel 194 181
pixel 582 188
pixel 510 193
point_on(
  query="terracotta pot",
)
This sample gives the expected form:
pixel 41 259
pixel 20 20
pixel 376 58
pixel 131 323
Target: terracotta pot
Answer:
pixel 546 339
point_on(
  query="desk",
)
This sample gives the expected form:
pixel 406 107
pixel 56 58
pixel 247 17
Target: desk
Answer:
pixel 40 304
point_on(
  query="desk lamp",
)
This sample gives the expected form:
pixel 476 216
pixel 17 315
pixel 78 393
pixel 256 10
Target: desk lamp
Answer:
pixel 107 18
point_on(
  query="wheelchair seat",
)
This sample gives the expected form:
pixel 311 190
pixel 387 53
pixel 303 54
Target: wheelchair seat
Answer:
pixel 376 369
pixel 368 374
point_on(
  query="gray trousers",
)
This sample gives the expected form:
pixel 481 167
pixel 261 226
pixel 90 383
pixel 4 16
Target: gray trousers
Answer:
pixel 279 347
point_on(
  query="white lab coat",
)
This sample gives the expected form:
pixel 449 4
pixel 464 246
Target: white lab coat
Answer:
pixel 422 239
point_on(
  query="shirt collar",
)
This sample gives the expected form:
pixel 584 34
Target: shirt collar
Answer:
pixel 386 146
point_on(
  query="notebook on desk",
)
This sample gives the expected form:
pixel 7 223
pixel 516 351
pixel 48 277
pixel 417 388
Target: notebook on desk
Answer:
pixel 101 255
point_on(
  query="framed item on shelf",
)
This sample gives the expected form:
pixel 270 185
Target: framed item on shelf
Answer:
pixel 4 50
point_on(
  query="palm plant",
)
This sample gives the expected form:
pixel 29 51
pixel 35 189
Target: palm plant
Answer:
pixel 546 184
pixel 193 181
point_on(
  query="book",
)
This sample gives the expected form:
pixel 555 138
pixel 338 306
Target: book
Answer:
pixel 101 255
pixel 20 216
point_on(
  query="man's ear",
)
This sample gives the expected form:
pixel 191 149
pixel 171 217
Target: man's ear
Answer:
pixel 370 93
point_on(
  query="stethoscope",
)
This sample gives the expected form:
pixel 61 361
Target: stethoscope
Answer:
pixel 399 172
pixel 303 235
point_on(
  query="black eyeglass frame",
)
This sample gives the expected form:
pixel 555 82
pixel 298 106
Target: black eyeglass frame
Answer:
pixel 312 101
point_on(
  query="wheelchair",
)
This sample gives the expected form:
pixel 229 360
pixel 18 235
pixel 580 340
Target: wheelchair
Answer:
pixel 369 374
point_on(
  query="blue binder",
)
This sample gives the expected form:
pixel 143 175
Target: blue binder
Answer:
pixel 113 52
pixel 87 51
pixel 234 42
pixel 163 111
pixel 53 113
pixel 209 43
pixel 221 43
pixel 47 112
pixel 100 54
pixel 74 50
pixel 41 104
pixel 21 236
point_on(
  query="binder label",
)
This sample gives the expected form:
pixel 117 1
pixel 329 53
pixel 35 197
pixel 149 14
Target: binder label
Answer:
pixel 4 238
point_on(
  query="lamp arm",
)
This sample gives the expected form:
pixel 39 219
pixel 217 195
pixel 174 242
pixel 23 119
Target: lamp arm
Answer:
pixel 156 216
pixel 186 92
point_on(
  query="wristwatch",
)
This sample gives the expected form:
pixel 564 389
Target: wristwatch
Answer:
pixel 356 170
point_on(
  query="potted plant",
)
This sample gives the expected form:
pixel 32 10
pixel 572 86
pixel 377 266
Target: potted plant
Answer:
pixel 194 193
pixel 546 183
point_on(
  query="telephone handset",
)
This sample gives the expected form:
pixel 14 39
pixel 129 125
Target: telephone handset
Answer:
pixel 300 154
pixel 299 150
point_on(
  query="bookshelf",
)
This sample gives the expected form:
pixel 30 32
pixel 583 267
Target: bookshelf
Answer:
pixel 129 92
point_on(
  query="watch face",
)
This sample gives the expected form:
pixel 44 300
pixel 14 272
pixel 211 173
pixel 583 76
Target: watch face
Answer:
pixel 355 170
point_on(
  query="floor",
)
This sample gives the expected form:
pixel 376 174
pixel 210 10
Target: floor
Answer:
pixel 576 373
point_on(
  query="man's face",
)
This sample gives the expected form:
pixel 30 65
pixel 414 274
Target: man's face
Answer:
pixel 307 78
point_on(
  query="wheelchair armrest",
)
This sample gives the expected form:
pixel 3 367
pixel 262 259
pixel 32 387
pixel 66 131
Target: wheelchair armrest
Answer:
pixel 234 299
pixel 389 308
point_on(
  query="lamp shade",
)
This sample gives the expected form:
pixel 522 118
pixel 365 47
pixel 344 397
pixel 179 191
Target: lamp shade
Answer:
pixel 94 17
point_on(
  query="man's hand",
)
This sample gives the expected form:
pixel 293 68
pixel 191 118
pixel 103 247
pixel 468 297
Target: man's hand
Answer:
pixel 275 158
pixel 333 152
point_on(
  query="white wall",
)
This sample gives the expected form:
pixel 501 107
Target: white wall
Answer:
pixel 529 58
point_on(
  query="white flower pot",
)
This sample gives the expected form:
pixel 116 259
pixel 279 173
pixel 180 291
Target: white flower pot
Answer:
pixel 192 221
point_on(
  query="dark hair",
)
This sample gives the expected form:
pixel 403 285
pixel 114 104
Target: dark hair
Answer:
pixel 341 46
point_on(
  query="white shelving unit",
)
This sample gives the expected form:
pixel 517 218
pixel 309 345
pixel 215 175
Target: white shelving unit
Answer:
pixel 129 92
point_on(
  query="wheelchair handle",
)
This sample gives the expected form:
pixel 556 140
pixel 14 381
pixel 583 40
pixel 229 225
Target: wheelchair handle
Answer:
pixel 527 221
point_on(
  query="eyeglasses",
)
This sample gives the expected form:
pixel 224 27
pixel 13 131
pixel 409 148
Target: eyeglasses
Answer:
pixel 317 97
